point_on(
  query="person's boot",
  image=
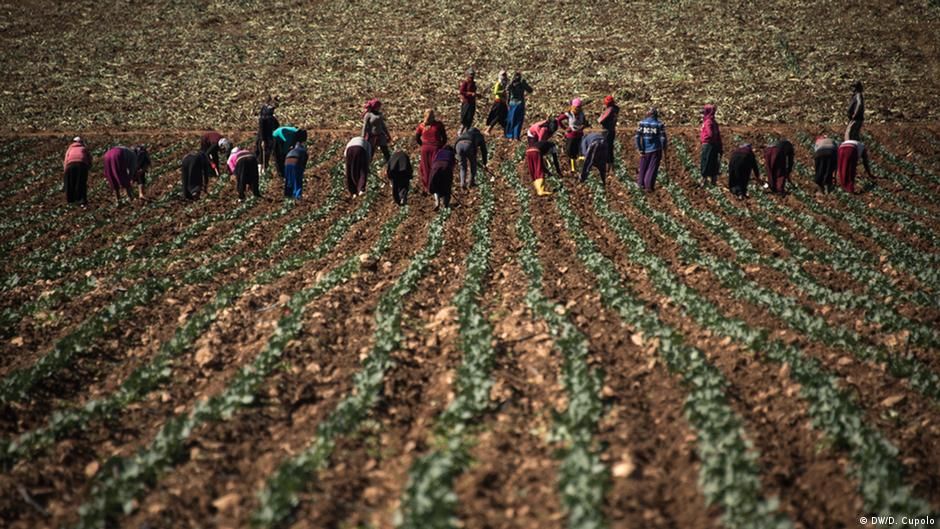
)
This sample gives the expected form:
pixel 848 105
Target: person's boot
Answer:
pixel 437 202
pixel 540 188
pixel 573 170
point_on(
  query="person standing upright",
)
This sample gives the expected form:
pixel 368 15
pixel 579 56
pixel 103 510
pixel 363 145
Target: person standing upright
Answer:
pixel 468 101
pixel 518 88
pixel 374 130
pixel 711 146
pixel 608 122
pixel 498 110
pixel 856 113
pixel 267 124
pixel 75 166
pixel 651 142
pixel 430 136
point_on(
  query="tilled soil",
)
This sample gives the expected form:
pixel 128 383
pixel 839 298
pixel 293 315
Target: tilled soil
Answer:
pixel 644 437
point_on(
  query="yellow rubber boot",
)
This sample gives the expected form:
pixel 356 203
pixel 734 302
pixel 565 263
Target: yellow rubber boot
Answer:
pixel 573 169
pixel 540 188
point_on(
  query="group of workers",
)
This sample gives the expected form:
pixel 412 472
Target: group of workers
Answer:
pixel 584 149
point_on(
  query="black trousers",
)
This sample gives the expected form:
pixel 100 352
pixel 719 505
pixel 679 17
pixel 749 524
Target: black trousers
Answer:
pixel 467 111
pixel 76 183
pixel 246 174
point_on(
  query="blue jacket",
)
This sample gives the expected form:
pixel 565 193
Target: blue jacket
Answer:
pixel 651 135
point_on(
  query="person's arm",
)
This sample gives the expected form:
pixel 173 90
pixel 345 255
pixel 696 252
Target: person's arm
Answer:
pixel 664 140
pixel 365 125
pixel 866 163
pixel 418 132
pixel 526 87
pixel 637 139
pixel 442 134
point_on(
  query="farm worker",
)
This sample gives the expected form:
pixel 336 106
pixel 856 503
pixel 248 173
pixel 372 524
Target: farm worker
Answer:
pixel 75 168
pixel 651 142
pixel 284 140
pixel 824 162
pixel 358 155
pixel 196 170
pixel 267 124
pixel 497 114
pixel 535 163
pixel 543 130
pixel 143 165
pixel 120 166
pixel 740 166
pixel 399 171
pixel 574 132
pixel 469 143
pixel 515 115
pixel 374 130
pixel 711 145
pixel 778 161
pixel 608 122
pixel 245 167
pixel 294 166
pixel 468 100
pixel 442 176
pixel 594 147
pixel 209 144
pixel 431 136
pixel 848 155
pixel 856 113
pixel 233 159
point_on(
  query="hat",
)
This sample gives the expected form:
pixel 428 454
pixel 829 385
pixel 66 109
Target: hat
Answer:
pixel 576 102
pixel 609 100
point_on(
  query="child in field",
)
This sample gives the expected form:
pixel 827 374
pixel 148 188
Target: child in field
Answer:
pixel 497 114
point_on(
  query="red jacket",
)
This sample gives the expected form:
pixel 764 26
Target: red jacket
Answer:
pixel 468 91
pixel 433 134
pixel 710 132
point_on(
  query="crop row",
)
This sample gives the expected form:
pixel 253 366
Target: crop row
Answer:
pixel 36 167
pixel 583 478
pixel 845 255
pixel 788 310
pixel 901 162
pixel 832 410
pixel 730 474
pixel 48 255
pixel 857 213
pixel 158 257
pixel 279 497
pixel 150 376
pixel 877 310
pixel 123 480
pixel 17 384
pixel 429 500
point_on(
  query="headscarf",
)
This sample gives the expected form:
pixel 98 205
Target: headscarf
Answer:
pixel 503 76
pixel 78 139
pixel 709 110
pixel 224 144
pixel 608 101
pixel 576 102
pixel 471 71
pixel 653 112
pixel 372 105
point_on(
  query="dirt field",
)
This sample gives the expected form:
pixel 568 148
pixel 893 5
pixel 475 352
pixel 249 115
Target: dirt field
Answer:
pixel 603 357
